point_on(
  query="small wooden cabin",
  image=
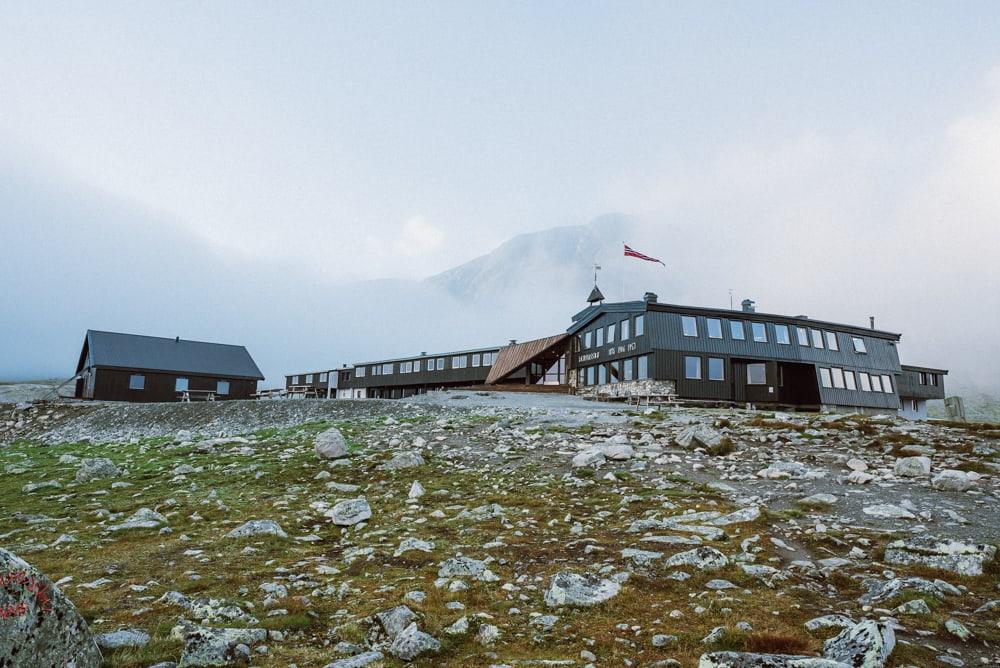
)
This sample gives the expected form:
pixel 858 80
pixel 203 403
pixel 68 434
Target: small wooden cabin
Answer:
pixel 130 367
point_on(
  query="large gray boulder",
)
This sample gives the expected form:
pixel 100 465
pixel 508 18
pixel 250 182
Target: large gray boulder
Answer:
pixel 205 646
pixel 699 436
pixel 913 467
pixel 351 512
pixel 412 642
pixel 40 626
pixel 750 660
pixel 98 467
pixel 403 460
pixel 946 554
pixel 330 444
pixel 867 644
pixel 579 590
pixel 357 661
pixel 952 480
pixel 257 528
pixel 703 558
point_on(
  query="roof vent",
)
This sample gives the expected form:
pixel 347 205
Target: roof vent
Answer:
pixel 871 321
pixel 423 353
pixel 513 342
pixel 177 339
pixel 748 306
pixel 649 298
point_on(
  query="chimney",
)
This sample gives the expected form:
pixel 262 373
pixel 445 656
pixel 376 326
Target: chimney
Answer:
pixel 649 298
pixel 512 342
pixel 748 306
pixel 871 321
pixel 423 354
pixel 177 340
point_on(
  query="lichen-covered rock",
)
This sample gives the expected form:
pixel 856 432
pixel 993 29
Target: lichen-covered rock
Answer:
pixel 867 644
pixel 123 638
pixel 357 661
pixel 703 558
pixel 257 528
pixel 330 444
pixel 412 642
pixel 98 467
pixel 205 646
pixel 952 480
pixel 950 555
pixel 750 660
pixel 403 460
pixel 913 467
pixel 144 518
pixel 40 626
pixel 351 512
pixel 392 622
pixel 465 567
pixel 579 590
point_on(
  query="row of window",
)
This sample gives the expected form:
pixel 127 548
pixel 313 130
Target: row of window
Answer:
pixel 632 368
pixel 716 369
pixel 929 379
pixel 432 364
pixel 307 379
pixel 137 381
pixel 840 379
pixel 807 337
pixel 624 330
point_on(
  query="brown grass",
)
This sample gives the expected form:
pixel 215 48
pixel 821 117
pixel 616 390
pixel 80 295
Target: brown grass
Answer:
pixel 778 643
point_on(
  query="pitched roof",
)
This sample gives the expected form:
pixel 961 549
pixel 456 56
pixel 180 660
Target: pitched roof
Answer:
pixel 154 353
pixel 595 295
pixel 515 356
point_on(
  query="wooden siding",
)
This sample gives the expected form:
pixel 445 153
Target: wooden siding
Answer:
pixel 113 385
pixel 909 384
pixel 424 379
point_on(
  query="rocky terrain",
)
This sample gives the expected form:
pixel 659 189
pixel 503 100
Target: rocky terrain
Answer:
pixel 489 530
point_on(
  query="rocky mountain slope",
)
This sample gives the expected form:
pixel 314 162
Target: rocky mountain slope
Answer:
pixel 469 529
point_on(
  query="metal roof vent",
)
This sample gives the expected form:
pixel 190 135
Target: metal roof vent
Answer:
pixel 748 306
pixel 513 342
pixel 649 298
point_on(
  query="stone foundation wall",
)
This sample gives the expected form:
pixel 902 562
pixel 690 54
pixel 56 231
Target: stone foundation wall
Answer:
pixel 629 389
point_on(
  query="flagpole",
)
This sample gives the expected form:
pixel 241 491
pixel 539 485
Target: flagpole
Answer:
pixel 623 271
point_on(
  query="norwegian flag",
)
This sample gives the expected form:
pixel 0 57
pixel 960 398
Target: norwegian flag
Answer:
pixel 630 252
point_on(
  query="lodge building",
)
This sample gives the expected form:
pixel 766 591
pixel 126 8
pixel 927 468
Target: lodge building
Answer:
pixel 646 348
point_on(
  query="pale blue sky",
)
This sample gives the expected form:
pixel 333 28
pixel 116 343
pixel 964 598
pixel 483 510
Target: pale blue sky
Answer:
pixel 370 140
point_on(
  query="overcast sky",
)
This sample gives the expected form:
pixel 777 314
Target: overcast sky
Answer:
pixel 849 153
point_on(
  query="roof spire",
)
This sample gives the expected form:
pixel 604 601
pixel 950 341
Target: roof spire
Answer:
pixel 595 295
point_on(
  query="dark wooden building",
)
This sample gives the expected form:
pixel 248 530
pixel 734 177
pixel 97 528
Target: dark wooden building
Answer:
pixel 691 353
pixel 130 367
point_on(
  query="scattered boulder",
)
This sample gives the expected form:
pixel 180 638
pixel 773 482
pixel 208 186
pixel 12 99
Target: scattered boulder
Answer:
pixel 913 467
pixel 867 644
pixel 123 638
pixel 98 467
pixel 403 460
pixel 351 512
pixel 950 555
pixel 952 480
pixel 699 436
pixel 412 642
pixel 703 558
pixel 589 458
pixel 205 646
pixel 888 511
pixel 144 518
pixel 40 626
pixel 257 528
pixel 330 444
pixel 464 567
pixel 357 661
pixel 573 589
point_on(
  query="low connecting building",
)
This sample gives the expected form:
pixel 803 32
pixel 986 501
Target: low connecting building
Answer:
pixel 129 367
pixel 647 349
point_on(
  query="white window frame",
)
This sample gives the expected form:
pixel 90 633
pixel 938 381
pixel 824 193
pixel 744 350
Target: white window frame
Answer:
pixel 733 326
pixel 876 382
pixel 750 380
pixel 477 359
pixel 778 329
pixel 598 337
pixel 753 332
pixel 722 368
pixel 708 327
pixel 388 369
pixel 825 379
pixel 838 378
pixel 691 331
pixel 139 385
pixel 360 371
pixel 181 387
pixel 887 383
pixel 625 330
pixel 642 368
pixel 802 336
pixel 864 381
pixel 816 338
pixel 323 377
pixel 219 385
pixel 687 369
pixel 640 326
pixel 850 381
pixel 832 342
pixel 611 333
pixel 859 345
pixel 459 361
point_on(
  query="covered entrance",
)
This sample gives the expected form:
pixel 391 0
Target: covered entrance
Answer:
pixel 544 362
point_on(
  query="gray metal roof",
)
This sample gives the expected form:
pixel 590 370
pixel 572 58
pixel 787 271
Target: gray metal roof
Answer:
pixel 154 353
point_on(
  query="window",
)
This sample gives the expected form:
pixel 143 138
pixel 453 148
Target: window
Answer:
pixel 580 379
pixel 850 381
pixel 309 378
pixel 602 374
pixel 440 364
pixel 477 359
pixel 222 388
pixel 377 370
pixel 817 338
pixel 431 364
pixel 459 362
pixel 757 374
pixel 876 383
pixel 643 371
pixel 298 380
pixel 781 335
pixel 866 384
pixel 600 337
pixel 759 332
pixel 831 341
pixel 714 328
pixel 136 382
pixel 323 377
pixel 692 368
pixel 405 367
pixel 590 375
pixel 716 369
pixel 859 344
pixel 611 333
pixel 625 330
pixel 736 330
pixel 627 367
pixel 616 371
pixel 838 378
pixel 690 325
pixel 825 379
pixel 933 378
pixel 640 325
pixel 416 365
pixel 386 369
pixel 803 335
pixel 923 378
pixel 181 385
pixel 586 340
pixel 359 372
pixel 887 384
pixel 492 359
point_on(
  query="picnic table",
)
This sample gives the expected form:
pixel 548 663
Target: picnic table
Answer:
pixel 196 395
pixel 303 391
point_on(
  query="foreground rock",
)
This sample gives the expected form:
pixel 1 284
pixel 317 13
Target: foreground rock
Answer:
pixel 99 467
pixel 257 528
pixel 579 590
pixel 330 444
pixel 219 647
pixel 40 626
pixel 349 513
pixel 412 642
pixel 949 555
